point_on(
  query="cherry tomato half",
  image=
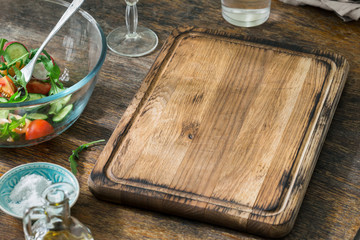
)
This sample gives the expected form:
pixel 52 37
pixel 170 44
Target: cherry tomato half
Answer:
pixel 37 129
pixel 7 87
pixel 38 86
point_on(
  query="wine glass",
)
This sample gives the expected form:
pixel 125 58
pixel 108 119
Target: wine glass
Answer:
pixel 132 40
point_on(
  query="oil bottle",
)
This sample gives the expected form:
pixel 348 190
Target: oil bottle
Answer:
pixel 54 220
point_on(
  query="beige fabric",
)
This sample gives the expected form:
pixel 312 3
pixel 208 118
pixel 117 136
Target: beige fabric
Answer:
pixel 346 10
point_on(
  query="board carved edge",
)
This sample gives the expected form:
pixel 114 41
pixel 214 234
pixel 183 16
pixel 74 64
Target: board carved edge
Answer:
pixel 102 184
pixel 99 178
pixel 280 224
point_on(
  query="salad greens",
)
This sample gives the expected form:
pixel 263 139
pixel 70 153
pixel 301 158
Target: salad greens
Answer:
pixel 23 124
pixel 53 71
pixel 7 129
pixel 75 154
pixel 52 68
pixel 20 80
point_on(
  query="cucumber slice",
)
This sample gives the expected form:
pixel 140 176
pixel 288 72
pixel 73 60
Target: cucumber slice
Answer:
pixel 33 116
pixel 35 96
pixel 4 114
pixel 16 50
pixel 55 107
pixel 62 113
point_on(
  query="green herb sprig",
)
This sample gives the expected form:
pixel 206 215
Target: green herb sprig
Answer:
pixel 20 80
pixel 75 155
pixel 2 43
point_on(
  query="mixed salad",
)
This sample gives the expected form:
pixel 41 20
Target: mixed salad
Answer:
pixel 35 123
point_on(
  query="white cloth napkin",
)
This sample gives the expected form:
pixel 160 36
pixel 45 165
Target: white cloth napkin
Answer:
pixel 346 10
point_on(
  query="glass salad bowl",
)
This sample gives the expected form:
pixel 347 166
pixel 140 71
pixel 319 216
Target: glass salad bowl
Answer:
pixel 64 76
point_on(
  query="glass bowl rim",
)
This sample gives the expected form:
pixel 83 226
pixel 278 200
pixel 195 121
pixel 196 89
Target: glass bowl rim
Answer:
pixel 80 83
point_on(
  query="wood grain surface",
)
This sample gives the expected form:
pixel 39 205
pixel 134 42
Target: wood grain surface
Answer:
pixel 222 131
pixel 330 209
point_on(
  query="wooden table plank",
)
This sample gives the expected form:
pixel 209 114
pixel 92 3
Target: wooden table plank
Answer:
pixel 331 206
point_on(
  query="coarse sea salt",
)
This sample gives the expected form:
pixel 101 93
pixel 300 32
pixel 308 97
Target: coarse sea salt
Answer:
pixel 27 193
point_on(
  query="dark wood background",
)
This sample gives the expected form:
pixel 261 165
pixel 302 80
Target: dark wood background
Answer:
pixel 331 208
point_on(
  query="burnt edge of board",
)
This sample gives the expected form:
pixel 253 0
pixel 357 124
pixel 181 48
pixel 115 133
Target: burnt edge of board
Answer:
pixel 326 57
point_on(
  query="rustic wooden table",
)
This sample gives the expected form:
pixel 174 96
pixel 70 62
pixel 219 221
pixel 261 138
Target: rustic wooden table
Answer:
pixel 331 207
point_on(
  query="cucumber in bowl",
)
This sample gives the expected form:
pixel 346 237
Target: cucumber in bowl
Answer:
pixel 14 124
pixel 16 50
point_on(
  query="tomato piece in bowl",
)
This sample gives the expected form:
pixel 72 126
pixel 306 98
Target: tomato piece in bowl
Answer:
pixel 7 87
pixel 37 129
pixel 38 86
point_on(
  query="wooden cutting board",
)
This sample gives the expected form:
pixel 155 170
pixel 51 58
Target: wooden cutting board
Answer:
pixel 224 129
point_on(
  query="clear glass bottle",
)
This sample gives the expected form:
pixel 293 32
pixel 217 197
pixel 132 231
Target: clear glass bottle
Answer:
pixel 53 220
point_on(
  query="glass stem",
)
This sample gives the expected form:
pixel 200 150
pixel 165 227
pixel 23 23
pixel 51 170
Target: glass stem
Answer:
pixel 131 17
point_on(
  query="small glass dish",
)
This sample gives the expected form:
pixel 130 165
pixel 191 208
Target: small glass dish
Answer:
pixel 59 176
